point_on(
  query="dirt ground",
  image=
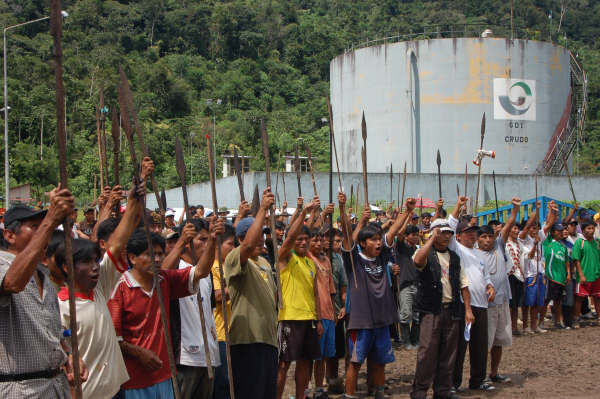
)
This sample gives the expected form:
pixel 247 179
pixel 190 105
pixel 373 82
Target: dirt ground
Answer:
pixel 557 364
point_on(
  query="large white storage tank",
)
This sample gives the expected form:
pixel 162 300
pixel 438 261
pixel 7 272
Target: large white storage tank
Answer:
pixel 424 95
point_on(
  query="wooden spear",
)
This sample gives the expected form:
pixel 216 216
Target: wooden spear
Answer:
pixel 238 172
pixel 297 167
pixel 337 165
pixel 479 167
pixel 570 182
pixel 364 157
pixel 56 29
pixel 115 134
pixel 265 148
pixel 438 161
pixel 180 165
pixel 100 161
pixel 403 186
pixel 213 190
pixel 155 268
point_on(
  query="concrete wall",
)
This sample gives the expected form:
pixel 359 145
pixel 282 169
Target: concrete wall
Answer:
pixel 586 188
pixel 421 96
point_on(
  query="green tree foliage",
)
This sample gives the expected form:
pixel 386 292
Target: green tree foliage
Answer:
pixel 264 59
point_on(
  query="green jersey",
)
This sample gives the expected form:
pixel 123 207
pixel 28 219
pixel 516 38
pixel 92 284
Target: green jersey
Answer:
pixel 556 257
pixel 588 254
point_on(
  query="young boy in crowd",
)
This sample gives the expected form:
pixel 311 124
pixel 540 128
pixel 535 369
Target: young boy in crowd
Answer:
pixel 516 277
pixel 299 326
pixel 558 271
pixel 586 255
pixel 372 304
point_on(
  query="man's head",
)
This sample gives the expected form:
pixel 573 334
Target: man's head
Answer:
pixel 241 229
pixel 370 240
pixel 557 231
pixel 414 220
pixel 513 234
pixel 314 244
pixel 279 230
pixel 89 214
pixel 426 219
pixel 534 229
pixel 302 241
pixel 138 253
pixel 588 227
pixel 496 225
pixel 466 234
pixel 572 228
pixel 443 237
pixel 200 240
pixel 105 230
pixel 170 217
pixel 485 238
pixel 411 235
pixel 86 255
pixel 155 222
pixel 227 241
pixel 338 239
pixel 20 224
pixel 171 237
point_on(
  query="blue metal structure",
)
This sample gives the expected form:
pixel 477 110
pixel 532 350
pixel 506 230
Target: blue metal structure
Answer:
pixel 527 208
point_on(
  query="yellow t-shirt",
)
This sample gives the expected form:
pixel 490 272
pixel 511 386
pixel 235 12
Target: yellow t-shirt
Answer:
pixel 298 289
pixel 218 310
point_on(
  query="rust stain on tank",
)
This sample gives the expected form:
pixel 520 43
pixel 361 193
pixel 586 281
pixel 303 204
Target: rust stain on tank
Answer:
pixel 481 72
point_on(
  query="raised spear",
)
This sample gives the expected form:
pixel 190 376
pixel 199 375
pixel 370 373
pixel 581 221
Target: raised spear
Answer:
pixel 283 182
pixel 570 183
pixel 155 268
pixel 495 195
pixel 238 172
pixel 266 155
pixel 391 184
pixel 163 199
pixel 103 111
pixel 403 186
pixel 56 29
pixel 337 164
pixel 312 172
pixel 221 276
pixel 277 179
pixel 297 167
pixel 255 205
pixel 130 112
pixel 363 126
pixel 479 167
pixel 352 198
pixel 438 161
pixel 101 162
pixel 115 133
pixel 180 164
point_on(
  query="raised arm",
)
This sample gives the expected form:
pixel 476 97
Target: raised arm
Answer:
pixel 571 214
pixel 171 261
pixel 420 256
pixel 299 207
pixel 438 209
pixel 106 203
pixel 533 218
pixel 25 263
pixel 243 211
pixel 289 242
pixel 254 233
pixel 552 216
pixel 364 219
pixel 410 205
pixel 345 223
pixel 460 203
pixel 516 203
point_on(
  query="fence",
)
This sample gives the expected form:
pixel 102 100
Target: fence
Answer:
pixel 527 208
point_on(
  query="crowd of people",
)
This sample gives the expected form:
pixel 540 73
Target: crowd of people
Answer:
pixel 328 290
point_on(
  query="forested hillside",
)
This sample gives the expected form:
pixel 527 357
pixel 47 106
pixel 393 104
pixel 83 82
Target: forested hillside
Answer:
pixel 262 58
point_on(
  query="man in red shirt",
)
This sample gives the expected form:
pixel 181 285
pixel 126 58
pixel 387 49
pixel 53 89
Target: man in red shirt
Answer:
pixel 136 314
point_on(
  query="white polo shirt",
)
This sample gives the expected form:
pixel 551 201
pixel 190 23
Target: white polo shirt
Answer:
pixel 475 268
pixel 536 264
pixel 98 344
pixel 192 344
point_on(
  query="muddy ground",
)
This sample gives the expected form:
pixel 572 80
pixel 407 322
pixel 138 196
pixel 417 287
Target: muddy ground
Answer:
pixel 558 364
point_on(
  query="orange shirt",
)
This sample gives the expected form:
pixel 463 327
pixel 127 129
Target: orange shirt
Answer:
pixel 325 287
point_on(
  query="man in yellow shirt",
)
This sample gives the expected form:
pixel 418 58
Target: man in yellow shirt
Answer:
pixel 299 328
pixel 221 388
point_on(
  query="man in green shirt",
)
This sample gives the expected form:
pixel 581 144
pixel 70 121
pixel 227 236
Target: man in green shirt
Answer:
pixel 557 271
pixel 585 254
pixel 253 326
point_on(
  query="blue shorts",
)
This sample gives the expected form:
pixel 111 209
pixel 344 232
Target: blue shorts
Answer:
pixel 327 340
pixel 162 390
pixel 372 343
pixel 535 293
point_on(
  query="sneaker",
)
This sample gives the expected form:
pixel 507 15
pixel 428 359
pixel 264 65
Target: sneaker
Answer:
pixel 527 331
pixel 587 316
pixel 560 326
pixel 483 387
pixel 540 330
pixel 576 325
pixel 379 395
pixel 500 378
pixel 336 386
pixel 321 394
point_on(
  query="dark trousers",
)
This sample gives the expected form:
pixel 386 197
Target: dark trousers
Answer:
pixel 478 349
pixel 221 387
pixel 254 369
pixel 436 355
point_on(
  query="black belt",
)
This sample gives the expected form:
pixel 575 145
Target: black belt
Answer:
pixel 30 376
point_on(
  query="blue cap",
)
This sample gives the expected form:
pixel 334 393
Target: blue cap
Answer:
pixel 243 226
pixel 558 227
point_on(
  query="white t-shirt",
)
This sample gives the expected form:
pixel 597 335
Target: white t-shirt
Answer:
pixel 516 258
pixel 534 265
pixel 475 268
pixel 98 343
pixel 192 344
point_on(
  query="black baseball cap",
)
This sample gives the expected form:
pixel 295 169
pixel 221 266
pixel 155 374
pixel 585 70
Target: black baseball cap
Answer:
pixel 20 212
pixel 557 227
pixel 465 226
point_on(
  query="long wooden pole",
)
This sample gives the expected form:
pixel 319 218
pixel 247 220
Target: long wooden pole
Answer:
pixel 56 29
pixel 180 165
pixel 213 190
pixel 479 167
pixel 266 155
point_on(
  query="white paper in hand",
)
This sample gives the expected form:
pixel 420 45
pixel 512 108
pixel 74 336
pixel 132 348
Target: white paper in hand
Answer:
pixel 468 332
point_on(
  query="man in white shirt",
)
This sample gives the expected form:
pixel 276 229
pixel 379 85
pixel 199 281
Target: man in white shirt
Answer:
pixel 481 291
